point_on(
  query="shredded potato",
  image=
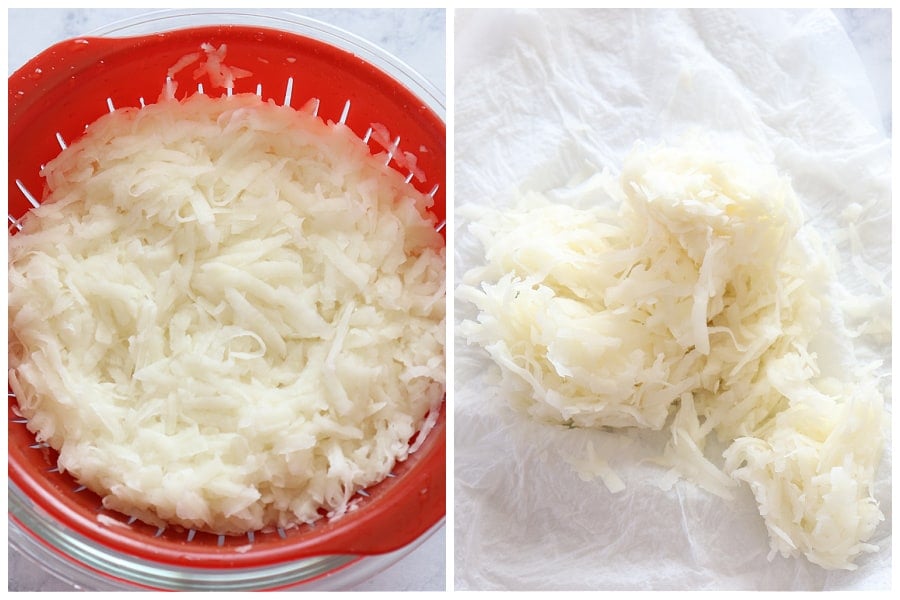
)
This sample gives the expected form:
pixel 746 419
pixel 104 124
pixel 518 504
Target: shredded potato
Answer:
pixel 690 309
pixel 226 314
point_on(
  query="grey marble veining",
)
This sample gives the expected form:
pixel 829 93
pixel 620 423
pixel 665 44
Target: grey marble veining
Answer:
pixel 870 31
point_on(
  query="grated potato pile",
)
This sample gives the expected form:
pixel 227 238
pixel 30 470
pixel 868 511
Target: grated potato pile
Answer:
pixel 691 309
pixel 226 314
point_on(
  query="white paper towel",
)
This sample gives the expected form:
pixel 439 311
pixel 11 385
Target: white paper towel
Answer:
pixel 541 96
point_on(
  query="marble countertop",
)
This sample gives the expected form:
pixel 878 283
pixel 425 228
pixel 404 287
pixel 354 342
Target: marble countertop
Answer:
pixel 417 37
pixel 870 31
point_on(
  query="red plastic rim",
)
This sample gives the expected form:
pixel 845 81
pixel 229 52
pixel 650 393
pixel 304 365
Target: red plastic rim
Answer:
pixel 71 84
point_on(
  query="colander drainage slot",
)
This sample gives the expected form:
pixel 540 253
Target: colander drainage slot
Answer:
pixel 14 222
pixel 288 90
pixel 19 420
pixel 28 195
pixel 391 150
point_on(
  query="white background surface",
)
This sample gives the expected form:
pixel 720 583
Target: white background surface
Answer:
pixel 416 37
pixel 537 92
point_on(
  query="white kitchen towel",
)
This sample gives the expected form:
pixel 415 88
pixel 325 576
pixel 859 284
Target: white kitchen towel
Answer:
pixel 544 97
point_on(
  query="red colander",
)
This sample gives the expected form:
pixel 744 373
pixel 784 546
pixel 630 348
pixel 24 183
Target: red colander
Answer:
pixel 51 99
